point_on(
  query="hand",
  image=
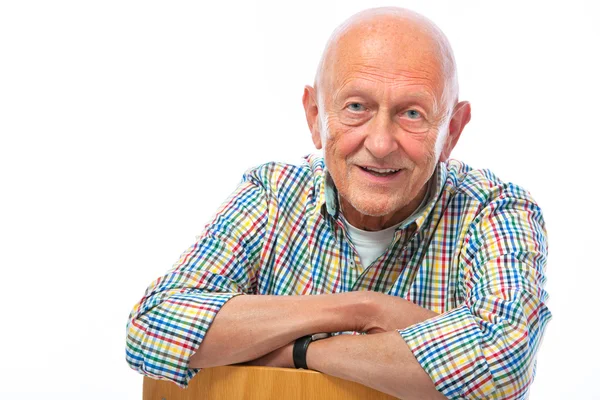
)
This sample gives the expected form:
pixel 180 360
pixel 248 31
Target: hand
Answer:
pixel 387 313
pixel 376 320
pixel 279 358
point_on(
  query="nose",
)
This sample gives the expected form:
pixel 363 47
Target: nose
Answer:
pixel 381 137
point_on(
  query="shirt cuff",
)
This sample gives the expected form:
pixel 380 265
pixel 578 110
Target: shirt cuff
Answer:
pixel 447 347
pixel 161 341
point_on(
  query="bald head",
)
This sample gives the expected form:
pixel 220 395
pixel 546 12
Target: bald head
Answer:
pixel 387 33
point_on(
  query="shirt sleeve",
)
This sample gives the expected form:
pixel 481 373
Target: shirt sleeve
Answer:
pixel 168 324
pixel 486 347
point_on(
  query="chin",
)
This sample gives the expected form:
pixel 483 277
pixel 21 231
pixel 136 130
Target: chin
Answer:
pixel 374 208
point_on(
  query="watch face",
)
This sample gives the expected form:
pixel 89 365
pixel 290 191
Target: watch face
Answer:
pixel 318 336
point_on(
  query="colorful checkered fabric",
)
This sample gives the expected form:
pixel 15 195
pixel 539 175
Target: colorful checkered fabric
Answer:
pixel 475 253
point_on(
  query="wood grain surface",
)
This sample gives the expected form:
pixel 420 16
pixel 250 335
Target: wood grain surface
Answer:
pixel 260 383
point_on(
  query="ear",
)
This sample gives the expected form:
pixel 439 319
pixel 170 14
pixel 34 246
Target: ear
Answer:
pixel 311 109
pixel 460 117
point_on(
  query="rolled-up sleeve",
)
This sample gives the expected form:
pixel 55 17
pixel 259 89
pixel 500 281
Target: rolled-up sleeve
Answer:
pixel 169 323
pixel 486 347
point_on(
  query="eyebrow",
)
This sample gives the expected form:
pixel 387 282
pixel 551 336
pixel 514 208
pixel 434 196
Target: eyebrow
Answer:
pixel 425 98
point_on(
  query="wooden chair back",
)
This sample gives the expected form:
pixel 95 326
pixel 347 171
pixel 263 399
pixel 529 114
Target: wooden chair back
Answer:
pixel 260 383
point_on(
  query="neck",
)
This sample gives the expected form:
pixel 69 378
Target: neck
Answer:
pixel 377 223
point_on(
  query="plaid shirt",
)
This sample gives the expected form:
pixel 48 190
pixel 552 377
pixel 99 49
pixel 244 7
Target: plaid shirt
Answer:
pixel 475 253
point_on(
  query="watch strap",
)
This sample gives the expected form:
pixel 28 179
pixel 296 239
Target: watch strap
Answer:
pixel 299 352
pixel 301 347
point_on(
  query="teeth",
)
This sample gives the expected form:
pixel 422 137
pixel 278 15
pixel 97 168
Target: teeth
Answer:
pixel 381 171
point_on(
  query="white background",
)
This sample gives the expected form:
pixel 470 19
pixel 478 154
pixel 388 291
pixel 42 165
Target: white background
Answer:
pixel 124 124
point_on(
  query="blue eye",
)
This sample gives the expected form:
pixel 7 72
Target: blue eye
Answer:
pixel 413 114
pixel 355 107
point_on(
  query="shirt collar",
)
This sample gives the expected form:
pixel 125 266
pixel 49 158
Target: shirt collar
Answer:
pixel 436 185
pixel 328 195
pixel 331 196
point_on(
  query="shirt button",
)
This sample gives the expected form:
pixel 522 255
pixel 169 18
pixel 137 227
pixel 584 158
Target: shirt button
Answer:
pixel 352 263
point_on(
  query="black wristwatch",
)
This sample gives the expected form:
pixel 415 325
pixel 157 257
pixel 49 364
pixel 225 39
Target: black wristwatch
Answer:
pixel 301 346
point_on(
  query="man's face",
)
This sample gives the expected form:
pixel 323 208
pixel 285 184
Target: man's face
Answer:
pixel 383 124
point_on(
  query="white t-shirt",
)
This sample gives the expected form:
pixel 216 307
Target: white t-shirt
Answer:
pixel 371 244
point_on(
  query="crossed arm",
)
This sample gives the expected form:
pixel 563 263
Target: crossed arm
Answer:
pixel 380 360
pixel 485 347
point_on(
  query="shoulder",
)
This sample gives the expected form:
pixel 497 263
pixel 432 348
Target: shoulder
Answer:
pixel 480 185
pixel 276 177
pixel 499 211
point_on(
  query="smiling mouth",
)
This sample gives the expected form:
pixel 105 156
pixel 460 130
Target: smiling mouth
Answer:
pixel 380 171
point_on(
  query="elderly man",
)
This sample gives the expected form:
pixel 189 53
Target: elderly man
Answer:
pixel 437 268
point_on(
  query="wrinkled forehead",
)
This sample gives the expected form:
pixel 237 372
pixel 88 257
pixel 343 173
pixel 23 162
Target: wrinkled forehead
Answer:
pixel 391 51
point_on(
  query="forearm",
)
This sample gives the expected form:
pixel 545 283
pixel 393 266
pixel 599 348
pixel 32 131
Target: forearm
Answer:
pixel 248 327
pixel 381 361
